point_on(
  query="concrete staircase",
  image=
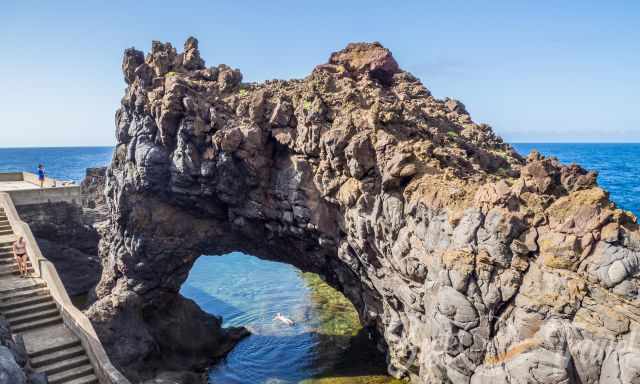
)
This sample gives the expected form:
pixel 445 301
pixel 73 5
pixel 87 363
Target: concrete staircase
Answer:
pixel 31 311
pixel 5 227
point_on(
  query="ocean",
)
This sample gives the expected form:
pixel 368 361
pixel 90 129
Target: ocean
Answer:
pixel 325 345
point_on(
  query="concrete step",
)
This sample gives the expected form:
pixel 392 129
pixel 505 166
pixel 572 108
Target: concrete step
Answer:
pixel 22 299
pixel 37 324
pixel 65 365
pixel 4 233
pixel 6 263
pixel 20 288
pixel 17 312
pixel 19 291
pixel 10 264
pixel 57 356
pixel 71 374
pixel 89 379
pixel 34 316
pixel 8 256
pixel 8 269
pixel 63 345
pixel 12 270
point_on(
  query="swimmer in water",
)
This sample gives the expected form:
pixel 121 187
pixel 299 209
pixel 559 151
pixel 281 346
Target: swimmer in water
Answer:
pixel 284 319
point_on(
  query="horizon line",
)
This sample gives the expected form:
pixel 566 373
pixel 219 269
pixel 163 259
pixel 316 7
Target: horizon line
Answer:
pixel 510 142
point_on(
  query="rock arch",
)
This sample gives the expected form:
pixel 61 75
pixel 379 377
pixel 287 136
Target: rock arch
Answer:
pixel 471 263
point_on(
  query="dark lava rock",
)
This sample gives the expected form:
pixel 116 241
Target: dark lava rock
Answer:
pixel 470 263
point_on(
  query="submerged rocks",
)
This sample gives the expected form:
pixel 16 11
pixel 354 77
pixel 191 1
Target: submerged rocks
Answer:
pixel 471 263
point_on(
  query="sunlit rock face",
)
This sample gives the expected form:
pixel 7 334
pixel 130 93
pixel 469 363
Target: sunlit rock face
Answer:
pixel 472 264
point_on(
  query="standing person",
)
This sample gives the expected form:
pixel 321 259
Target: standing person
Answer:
pixel 20 253
pixel 41 175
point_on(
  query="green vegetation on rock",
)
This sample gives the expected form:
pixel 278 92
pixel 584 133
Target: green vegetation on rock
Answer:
pixel 340 326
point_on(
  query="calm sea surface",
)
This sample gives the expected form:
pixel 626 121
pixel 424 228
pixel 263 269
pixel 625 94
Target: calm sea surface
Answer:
pixel 325 345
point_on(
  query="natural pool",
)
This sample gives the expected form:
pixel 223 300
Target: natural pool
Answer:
pixel 325 345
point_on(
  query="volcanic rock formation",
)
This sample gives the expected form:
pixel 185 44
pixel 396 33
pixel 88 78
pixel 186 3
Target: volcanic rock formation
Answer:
pixel 473 264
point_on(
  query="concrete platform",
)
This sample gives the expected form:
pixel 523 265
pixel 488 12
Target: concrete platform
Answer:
pixel 48 338
pixel 7 186
pixel 16 282
pixel 24 189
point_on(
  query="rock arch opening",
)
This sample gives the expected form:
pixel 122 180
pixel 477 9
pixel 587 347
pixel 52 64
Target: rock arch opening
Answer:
pixel 326 341
pixel 148 325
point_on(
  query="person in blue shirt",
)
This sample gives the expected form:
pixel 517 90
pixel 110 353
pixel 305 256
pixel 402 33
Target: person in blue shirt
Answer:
pixel 41 175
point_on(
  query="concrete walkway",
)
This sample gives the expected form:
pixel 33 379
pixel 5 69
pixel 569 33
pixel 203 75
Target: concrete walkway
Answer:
pixel 7 186
pixel 32 313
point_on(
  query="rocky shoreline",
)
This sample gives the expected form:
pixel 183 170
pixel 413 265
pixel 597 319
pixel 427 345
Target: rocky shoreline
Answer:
pixel 471 263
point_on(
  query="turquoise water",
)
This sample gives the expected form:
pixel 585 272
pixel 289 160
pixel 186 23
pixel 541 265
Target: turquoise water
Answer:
pixel 248 291
pixel 251 293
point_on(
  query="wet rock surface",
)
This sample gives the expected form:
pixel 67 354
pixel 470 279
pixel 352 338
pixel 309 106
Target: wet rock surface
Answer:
pixel 472 264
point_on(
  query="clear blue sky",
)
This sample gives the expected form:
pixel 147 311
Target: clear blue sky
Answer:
pixel 535 70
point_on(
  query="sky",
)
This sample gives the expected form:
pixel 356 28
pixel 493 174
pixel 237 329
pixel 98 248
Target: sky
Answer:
pixel 537 71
